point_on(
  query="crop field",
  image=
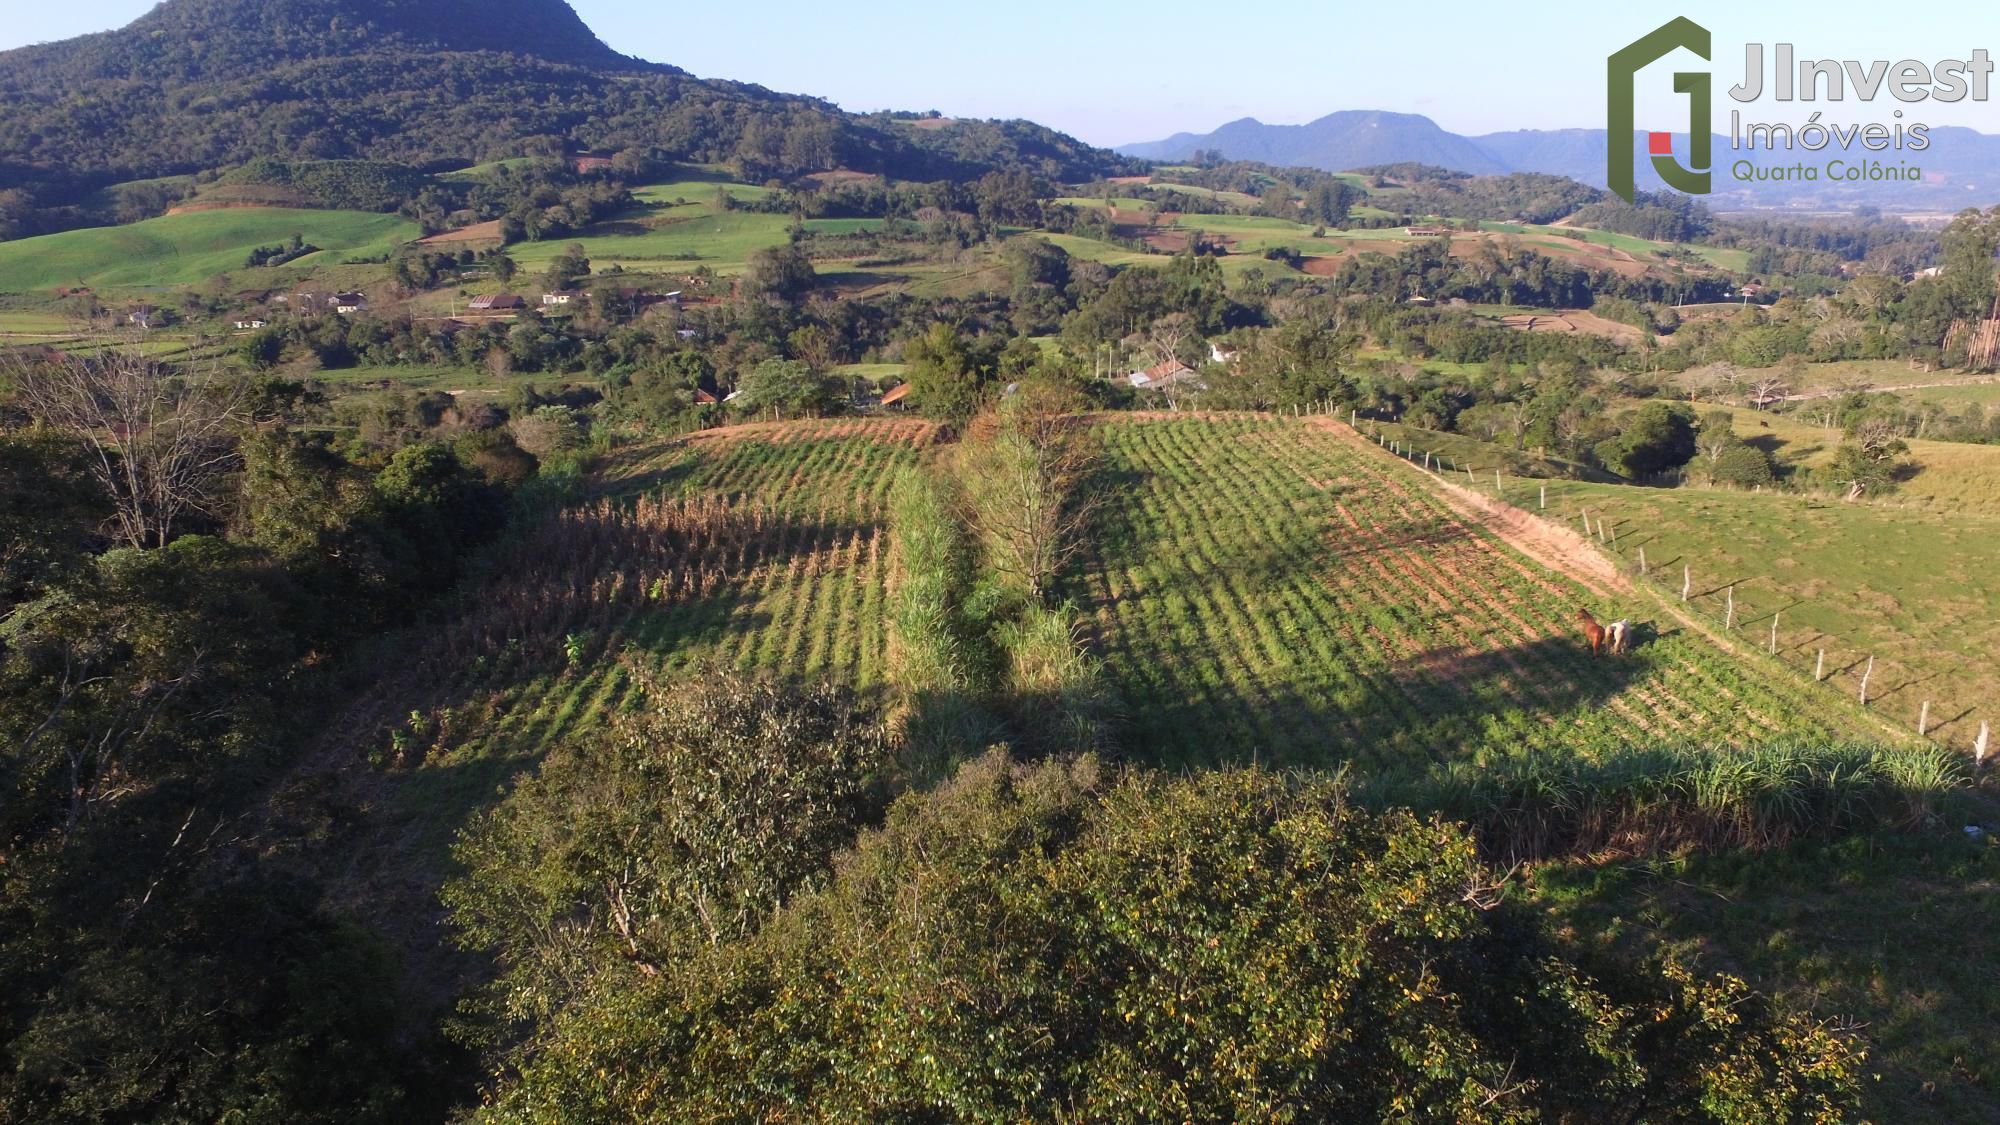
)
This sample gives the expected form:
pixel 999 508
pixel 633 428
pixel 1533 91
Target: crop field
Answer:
pixel 1273 590
pixel 763 547
pixel 192 248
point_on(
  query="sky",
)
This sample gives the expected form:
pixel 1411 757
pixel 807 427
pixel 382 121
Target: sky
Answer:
pixel 1119 71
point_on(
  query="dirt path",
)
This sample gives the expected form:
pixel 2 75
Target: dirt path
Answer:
pixel 1967 381
pixel 1550 544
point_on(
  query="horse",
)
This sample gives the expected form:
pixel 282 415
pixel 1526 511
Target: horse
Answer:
pixel 1621 637
pixel 1593 633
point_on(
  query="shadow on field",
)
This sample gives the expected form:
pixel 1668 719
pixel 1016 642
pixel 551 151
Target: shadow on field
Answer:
pixel 1439 705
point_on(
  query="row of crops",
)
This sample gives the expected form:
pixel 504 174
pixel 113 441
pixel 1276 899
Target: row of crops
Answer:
pixel 762 549
pixel 1257 589
pixel 1267 589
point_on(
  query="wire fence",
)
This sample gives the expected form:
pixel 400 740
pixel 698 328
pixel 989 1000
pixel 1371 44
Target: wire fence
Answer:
pixel 1749 610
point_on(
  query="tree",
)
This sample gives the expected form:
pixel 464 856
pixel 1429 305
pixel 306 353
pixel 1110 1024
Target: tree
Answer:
pixel 1227 946
pixel 158 441
pixel 504 268
pixel 780 275
pixel 1865 465
pixel 1659 436
pixel 1329 201
pixel 946 380
pixel 789 387
pixel 1717 435
pixel 1025 470
pixel 701 810
pixel 1744 466
pixel 568 266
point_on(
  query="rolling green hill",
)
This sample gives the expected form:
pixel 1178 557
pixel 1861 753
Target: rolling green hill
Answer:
pixel 192 248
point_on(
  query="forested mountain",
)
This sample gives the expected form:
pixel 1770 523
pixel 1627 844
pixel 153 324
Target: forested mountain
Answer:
pixel 1337 142
pixel 205 84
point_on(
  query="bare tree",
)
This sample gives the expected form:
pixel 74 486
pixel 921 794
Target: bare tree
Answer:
pixel 1767 391
pixel 1025 474
pixel 158 439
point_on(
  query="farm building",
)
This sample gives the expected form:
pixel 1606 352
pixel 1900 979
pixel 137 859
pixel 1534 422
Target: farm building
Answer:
pixel 560 298
pixel 1171 373
pixel 497 302
pixel 347 304
pixel 704 398
pixel 255 322
pixel 1428 232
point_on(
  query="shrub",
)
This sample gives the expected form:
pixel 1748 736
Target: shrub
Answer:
pixel 694 816
pixel 1745 466
pixel 1232 946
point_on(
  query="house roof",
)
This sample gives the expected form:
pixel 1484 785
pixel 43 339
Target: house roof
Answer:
pixel 897 395
pixel 703 398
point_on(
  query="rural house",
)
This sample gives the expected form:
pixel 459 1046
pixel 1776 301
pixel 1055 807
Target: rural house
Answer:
pixel 559 298
pixel 896 396
pixel 1171 373
pixel 347 304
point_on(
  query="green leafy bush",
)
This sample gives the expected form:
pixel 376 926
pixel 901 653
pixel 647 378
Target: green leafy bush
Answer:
pixel 1044 943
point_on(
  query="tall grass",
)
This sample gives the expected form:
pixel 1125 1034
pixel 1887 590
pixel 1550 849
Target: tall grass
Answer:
pixel 1650 801
pixel 933 659
pixel 1057 696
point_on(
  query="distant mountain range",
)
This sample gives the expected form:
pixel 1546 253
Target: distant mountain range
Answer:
pixel 1961 168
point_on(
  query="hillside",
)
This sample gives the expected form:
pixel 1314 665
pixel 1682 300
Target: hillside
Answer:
pixel 193 248
pixel 205 84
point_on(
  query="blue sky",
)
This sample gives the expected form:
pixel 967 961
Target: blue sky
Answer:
pixel 1114 71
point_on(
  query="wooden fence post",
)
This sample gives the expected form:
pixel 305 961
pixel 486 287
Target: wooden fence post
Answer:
pixel 1499 485
pixel 1729 619
pixel 1774 634
pixel 1545 497
pixel 1819 670
pixel 1687 582
pixel 1924 719
pixel 1979 749
pixel 1642 562
pixel 1864 680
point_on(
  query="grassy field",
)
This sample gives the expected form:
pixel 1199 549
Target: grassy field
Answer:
pixel 1915 589
pixel 193 248
pixel 1944 477
pixel 1879 932
pixel 682 237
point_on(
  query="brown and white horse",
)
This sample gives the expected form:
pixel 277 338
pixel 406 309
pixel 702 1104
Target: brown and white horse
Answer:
pixel 1621 637
pixel 1593 633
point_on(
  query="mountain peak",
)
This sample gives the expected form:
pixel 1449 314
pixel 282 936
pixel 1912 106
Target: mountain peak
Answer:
pixel 200 38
